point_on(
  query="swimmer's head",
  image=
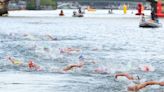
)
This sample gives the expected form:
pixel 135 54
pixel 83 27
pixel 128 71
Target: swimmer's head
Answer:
pixel 136 77
pixel 46 49
pixel 9 58
pixel 61 50
pixel 101 70
pixel 81 57
pixel 147 68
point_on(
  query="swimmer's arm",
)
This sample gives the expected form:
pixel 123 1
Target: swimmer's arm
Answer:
pixel 140 86
pixel 11 60
pixel 161 83
pixel 68 68
pixel 72 66
pixel 124 74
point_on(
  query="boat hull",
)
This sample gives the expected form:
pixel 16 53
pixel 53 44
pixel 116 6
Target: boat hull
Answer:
pixel 150 25
pixel 79 15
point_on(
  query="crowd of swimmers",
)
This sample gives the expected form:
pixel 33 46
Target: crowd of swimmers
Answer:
pixel 33 66
pixel 135 88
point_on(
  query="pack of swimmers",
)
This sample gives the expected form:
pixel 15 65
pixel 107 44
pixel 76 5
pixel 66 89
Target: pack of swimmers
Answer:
pixel 31 65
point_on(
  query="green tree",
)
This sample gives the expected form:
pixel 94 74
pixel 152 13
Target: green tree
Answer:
pixel 31 4
pixel 52 3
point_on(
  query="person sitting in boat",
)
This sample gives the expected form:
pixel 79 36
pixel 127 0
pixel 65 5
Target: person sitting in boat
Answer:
pixel 80 11
pixel 157 21
pixel 74 13
pixel 110 11
pixel 143 18
pixel 61 13
pixel 33 66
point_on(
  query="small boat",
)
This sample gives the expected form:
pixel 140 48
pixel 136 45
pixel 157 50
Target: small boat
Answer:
pixel 75 14
pixel 148 24
pixel 78 15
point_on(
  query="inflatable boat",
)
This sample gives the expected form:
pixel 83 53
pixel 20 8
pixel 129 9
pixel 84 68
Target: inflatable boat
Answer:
pixel 148 24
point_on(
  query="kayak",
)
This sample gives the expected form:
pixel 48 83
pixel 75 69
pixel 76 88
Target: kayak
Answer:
pixel 148 24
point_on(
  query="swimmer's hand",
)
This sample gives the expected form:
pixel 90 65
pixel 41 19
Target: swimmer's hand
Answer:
pixel 161 83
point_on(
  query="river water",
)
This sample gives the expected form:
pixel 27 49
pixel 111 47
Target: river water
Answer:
pixel 115 44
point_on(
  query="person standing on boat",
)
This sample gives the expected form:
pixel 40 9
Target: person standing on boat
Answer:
pixel 153 9
pixel 80 11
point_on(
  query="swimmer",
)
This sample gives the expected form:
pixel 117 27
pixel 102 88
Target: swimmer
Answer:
pixel 147 68
pixel 14 61
pixel 70 67
pixel 101 70
pixel 143 18
pixel 69 50
pixel 73 49
pixel 61 50
pixel 128 76
pixel 81 58
pixel 30 36
pixel 95 49
pixel 32 47
pixel 51 38
pixel 138 87
pixel 46 49
pixel 33 66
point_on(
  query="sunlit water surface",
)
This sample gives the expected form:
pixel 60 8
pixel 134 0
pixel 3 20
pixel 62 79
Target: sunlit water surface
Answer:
pixel 121 46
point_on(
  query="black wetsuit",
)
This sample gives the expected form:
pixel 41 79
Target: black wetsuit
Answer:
pixel 153 9
pixel 80 10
